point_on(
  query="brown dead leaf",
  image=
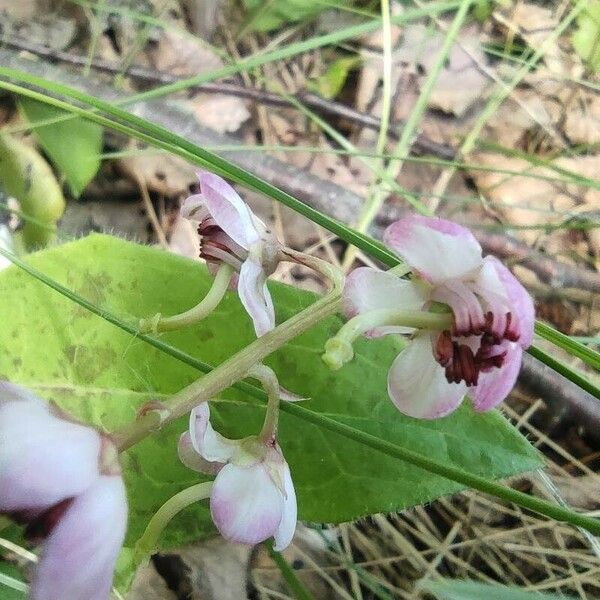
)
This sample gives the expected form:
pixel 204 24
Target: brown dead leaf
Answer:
pixel 532 24
pixel 523 200
pixel 182 55
pixel 460 83
pixel 184 240
pixel 511 123
pixel 164 174
pixel 582 122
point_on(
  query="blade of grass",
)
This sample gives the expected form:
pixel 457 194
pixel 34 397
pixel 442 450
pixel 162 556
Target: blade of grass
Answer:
pixel 573 347
pixel 162 138
pixel 296 586
pixel 585 383
pixel 453 473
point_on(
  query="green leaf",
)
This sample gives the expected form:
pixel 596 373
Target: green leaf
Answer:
pixel 104 375
pixel 25 175
pixel 266 15
pixel 472 590
pixel 74 146
pixel 586 40
pixel 331 82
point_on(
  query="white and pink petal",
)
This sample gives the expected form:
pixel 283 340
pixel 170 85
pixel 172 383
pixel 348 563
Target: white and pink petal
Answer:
pixel 245 504
pixel 192 460
pixel 285 531
pixel 495 384
pixel 208 443
pixel 437 249
pixel 228 210
pixel 519 302
pixel 417 384
pixel 79 556
pixel 43 458
pixel 367 289
pixel 255 296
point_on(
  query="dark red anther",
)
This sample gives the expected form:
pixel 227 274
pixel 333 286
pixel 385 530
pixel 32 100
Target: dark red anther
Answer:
pixel 512 331
pixel 42 525
pixel 444 348
pixel 468 367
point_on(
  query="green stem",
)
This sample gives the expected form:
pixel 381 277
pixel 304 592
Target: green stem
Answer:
pixel 147 544
pixel 338 349
pixel 234 368
pixel 157 323
pixel 295 585
pixel 270 385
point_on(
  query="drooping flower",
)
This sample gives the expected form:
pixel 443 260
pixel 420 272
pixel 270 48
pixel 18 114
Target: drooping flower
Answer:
pixel 62 480
pixel 253 496
pixel 493 318
pixel 230 233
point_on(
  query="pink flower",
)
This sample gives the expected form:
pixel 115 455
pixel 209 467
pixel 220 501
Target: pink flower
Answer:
pixel 63 481
pixel 493 318
pixel 253 496
pixel 230 233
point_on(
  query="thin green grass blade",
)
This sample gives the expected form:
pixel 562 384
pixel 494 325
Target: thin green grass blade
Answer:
pixel 587 355
pixel 585 383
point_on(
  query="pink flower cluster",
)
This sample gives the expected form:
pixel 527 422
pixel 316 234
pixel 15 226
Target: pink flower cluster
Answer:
pixel 480 355
pixel 230 233
pixel 253 496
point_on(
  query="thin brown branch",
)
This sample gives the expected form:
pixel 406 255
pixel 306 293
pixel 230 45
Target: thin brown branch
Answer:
pixel 556 274
pixel 422 144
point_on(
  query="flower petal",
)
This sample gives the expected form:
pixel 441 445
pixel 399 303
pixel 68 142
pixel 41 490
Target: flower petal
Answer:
pixel 245 504
pixel 193 208
pixel 438 249
pixel 368 289
pixel 417 384
pixel 192 460
pixel 287 527
pixel 255 296
pixel 521 304
pixel 79 556
pixel 207 442
pixel 494 385
pixel 228 210
pixel 43 458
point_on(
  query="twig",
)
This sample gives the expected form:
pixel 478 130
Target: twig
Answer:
pixel 150 212
pixel 422 144
pixel 567 402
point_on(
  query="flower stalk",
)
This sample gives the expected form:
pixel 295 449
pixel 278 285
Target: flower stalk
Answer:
pixel 147 544
pixel 338 349
pixel 270 385
pixel 158 323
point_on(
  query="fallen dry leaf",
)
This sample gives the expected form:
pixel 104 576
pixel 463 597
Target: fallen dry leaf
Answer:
pixel 185 56
pixel 582 122
pixel 164 174
pixel 460 82
pixel 523 200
